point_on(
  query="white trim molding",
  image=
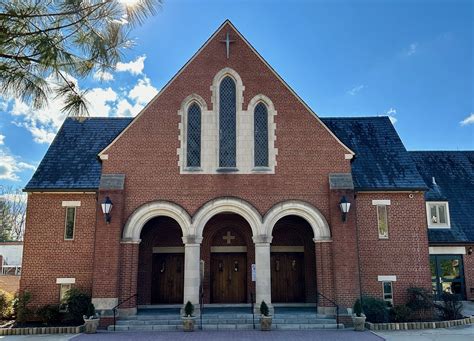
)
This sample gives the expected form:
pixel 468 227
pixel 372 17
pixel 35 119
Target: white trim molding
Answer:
pixel 381 202
pixel 428 215
pixel 207 132
pixel 301 209
pixel 278 248
pixel 144 213
pixel 229 249
pixel 447 250
pixel 71 204
pixel 65 281
pixel 387 278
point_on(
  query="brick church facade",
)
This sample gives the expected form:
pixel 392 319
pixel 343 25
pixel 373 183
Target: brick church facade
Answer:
pixel 227 187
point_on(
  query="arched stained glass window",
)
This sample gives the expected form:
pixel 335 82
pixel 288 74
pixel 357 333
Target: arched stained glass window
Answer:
pixel 227 122
pixel 193 147
pixel 261 135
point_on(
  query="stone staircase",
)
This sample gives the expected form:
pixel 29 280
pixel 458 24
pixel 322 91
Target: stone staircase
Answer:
pixel 225 319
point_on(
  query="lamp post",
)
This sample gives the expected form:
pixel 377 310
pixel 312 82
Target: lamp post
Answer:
pixel 106 208
pixel 345 207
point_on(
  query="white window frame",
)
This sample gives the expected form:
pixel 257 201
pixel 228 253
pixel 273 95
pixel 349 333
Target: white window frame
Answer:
pixel 378 221
pixel 432 225
pixel 73 225
pixel 385 295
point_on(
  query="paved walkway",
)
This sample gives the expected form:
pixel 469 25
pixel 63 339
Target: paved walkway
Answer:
pixel 462 333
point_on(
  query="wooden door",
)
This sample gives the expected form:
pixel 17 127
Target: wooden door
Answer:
pixel 167 278
pixel 228 277
pixel 288 277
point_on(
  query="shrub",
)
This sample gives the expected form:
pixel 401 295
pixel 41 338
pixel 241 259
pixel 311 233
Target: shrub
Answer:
pixel 49 314
pixel 6 304
pixel 264 309
pixel 78 304
pixel 421 303
pixel 375 310
pixel 20 306
pixel 357 310
pixel 188 309
pixel 400 313
pixel 451 306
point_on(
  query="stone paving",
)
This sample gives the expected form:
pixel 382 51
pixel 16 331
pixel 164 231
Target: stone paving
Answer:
pixel 461 333
pixel 329 335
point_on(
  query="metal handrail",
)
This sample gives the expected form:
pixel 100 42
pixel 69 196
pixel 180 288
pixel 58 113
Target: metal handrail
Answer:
pixel 253 310
pixel 333 302
pixel 201 306
pixel 114 309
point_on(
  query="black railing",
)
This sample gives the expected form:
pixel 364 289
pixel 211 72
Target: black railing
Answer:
pixel 332 302
pixel 252 307
pixel 114 309
pixel 201 306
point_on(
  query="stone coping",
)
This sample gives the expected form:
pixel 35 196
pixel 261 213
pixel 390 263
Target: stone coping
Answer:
pixel 41 330
pixel 419 325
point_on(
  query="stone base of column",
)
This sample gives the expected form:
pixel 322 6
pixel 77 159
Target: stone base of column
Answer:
pixel 124 312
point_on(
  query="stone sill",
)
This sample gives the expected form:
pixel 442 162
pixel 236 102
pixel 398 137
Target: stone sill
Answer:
pixel 419 325
pixel 42 330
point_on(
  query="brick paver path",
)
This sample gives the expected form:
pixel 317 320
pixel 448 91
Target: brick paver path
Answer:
pixel 326 335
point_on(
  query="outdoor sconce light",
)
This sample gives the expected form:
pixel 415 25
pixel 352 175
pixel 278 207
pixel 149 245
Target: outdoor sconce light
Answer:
pixel 106 208
pixel 345 206
pixel 469 251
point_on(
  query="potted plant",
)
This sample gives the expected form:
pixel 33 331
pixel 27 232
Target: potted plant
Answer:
pixel 358 318
pixel 91 320
pixel 188 318
pixel 265 319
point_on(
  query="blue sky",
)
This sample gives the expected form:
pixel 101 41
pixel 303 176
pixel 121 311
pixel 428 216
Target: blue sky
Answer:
pixel 411 60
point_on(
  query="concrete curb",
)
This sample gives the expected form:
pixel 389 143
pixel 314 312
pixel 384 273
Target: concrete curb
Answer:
pixel 419 325
pixel 41 330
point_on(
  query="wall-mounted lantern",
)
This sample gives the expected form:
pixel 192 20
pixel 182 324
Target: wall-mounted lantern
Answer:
pixel 106 208
pixel 345 207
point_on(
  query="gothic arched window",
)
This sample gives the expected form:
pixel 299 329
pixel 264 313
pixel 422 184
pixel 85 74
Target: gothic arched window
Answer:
pixel 227 123
pixel 193 147
pixel 260 122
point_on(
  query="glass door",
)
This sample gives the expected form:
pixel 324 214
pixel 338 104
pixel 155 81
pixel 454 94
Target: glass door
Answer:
pixel 447 274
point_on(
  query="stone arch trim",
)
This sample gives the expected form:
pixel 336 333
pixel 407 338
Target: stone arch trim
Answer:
pixel 301 209
pixel 227 205
pixel 144 213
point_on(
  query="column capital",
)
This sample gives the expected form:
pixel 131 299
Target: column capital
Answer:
pixel 130 241
pixel 262 239
pixel 324 240
pixel 191 239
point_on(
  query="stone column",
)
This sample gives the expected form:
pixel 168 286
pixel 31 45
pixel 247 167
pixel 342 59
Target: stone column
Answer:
pixel 263 285
pixel 192 273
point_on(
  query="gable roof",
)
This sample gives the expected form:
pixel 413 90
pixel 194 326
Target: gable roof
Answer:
pixel 454 176
pixel 381 161
pixel 71 162
pixel 221 28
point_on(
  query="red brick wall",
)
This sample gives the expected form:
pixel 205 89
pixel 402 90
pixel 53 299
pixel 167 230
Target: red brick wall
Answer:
pixel 146 152
pixel 468 261
pixel 404 254
pixel 47 256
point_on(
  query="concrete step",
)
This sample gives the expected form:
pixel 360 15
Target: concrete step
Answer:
pixel 226 320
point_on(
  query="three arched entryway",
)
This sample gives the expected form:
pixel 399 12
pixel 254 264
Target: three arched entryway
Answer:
pixel 214 252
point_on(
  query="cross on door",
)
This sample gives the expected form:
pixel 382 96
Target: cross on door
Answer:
pixel 228 237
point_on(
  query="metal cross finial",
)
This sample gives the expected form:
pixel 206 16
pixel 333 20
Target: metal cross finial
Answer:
pixel 227 42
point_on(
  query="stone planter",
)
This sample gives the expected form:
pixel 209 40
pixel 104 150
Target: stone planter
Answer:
pixel 91 324
pixel 265 323
pixel 188 323
pixel 359 322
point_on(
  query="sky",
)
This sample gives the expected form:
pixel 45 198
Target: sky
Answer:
pixel 410 60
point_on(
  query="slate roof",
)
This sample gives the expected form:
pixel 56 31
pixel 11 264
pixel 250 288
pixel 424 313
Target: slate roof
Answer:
pixel 454 175
pixel 71 161
pixel 381 161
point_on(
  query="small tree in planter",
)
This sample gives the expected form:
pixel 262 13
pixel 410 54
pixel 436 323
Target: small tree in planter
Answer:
pixel 188 318
pixel 265 319
pixel 358 318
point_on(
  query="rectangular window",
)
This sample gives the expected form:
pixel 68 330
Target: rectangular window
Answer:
pixel 382 221
pixel 63 289
pixel 388 293
pixel 70 222
pixel 438 214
